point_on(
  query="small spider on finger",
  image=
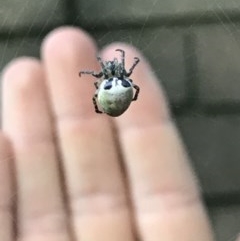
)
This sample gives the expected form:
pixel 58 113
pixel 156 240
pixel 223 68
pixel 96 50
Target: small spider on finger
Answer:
pixel 115 90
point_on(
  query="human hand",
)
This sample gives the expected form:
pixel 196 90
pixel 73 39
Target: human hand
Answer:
pixel 85 176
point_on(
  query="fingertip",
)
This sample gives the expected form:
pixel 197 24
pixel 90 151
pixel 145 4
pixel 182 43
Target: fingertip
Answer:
pixel 68 40
pixel 19 77
pixel 20 66
pixel 68 33
pixel 238 237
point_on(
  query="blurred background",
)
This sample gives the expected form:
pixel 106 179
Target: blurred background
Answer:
pixel 194 48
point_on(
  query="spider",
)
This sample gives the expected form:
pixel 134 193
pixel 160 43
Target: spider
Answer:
pixel 114 89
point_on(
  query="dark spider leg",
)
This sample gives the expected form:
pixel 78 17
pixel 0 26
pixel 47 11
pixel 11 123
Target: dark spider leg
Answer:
pixel 103 67
pixel 96 84
pixel 136 93
pixel 123 71
pixel 95 104
pixel 122 57
pixel 133 66
pixel 99 75
pixel 102 64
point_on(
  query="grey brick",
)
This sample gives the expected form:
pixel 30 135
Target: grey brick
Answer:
pixel 214 146
pixel 105 11
pixel 218 53
pixel 28 13
pixel 163 48
pixel 226 222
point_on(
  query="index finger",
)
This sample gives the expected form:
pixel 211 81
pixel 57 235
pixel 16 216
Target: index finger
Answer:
pixel 164 189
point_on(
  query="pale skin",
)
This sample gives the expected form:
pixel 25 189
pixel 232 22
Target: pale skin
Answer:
pixel 72 174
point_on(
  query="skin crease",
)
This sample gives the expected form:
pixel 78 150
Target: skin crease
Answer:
pixel 72 174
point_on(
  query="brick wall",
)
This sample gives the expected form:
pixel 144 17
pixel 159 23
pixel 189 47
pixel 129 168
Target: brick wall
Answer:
pixel 194 47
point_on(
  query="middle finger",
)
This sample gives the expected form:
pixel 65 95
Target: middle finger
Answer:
pixel 97 194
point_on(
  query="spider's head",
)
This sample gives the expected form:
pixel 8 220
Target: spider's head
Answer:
pixel 112 67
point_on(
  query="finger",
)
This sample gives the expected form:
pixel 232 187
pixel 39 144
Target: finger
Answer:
pixel 7 217
pixel 95 184
pixel 238 237
pixel 26 120
pixel 165 193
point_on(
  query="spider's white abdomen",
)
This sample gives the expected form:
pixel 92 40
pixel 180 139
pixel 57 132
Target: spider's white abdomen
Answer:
pixel 115 90
pixel 115 95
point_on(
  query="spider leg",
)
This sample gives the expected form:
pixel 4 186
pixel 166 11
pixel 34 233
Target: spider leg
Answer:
pixel 101 62
pixel 136 61
pixel 96 84
pixel 123 71
pixel 136 93
pixel 94 99
pixel 122 57
pixel 97 75
pixel 85 72
pixel 104 72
